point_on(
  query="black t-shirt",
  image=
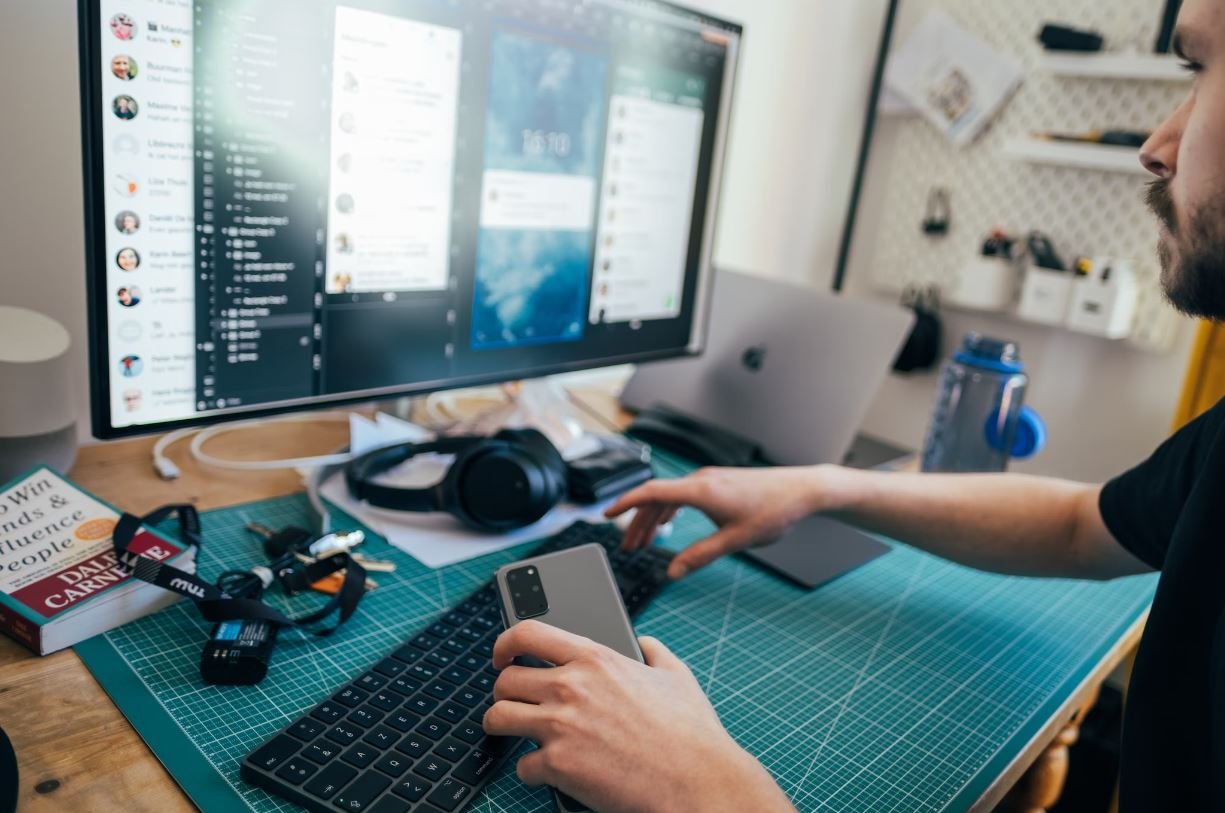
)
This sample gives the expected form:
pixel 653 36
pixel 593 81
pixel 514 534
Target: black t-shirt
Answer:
pixel 1170 512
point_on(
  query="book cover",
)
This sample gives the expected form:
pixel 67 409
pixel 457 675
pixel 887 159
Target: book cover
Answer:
pixel 59 578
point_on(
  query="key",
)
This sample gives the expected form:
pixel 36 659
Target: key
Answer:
pixel 475 767
pixel 413 745
pixel 329 712
pixel 450 794
pixel 402 721
pixel 296 771
pixel 363 792
pixel 432 728
pixel 329 780
pixel 452 750
pixel 275 752
pixel 432 769
pixel 321 752
pixel 306 729
pixel 334 543
pixel 412 789
pixel 365 717
pixel 393 765
pixel 359 756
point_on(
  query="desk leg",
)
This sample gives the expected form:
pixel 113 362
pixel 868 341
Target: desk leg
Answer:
pixel 1042 784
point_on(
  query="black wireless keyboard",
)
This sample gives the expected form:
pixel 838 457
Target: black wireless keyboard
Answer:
pixel 406 734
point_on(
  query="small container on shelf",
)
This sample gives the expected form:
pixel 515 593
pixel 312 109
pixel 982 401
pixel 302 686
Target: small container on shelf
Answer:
pixel 1104 298
pixel 988 282
pixel 1046 291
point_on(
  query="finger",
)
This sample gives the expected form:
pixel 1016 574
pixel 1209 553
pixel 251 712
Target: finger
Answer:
pixel 542 641
pixel 524 684
pixel 642 529
pixel 708 550
pixel 508 718
pixel 656 491
pixel 532 769
pixel 659 656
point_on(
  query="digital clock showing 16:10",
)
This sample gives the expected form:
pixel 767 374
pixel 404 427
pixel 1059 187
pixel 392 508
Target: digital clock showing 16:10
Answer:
pixel 545 142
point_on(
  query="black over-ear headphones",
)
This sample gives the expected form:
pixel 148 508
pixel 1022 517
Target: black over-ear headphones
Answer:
pixel 495 484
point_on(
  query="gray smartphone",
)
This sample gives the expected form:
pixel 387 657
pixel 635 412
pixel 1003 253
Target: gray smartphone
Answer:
pixel 574 590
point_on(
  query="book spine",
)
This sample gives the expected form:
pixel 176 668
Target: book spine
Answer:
pixel 21 629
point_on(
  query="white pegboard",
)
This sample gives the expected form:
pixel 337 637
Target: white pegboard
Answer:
pixel 1086 212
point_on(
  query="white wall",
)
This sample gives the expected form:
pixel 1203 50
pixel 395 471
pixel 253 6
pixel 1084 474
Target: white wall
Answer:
pixel 805 67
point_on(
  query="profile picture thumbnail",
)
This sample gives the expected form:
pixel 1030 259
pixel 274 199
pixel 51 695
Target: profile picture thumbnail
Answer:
pixel 131 366
pixel 127 259
pixel 128 296
pixel 128 222
pixel 126 185
pixel 125 107
pixel 123 26
pixel 131 400
pixel 124 67
pixel 344 203
pixel 126 144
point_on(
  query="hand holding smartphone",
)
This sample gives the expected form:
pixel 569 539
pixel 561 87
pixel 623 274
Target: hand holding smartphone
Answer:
pixel 573 590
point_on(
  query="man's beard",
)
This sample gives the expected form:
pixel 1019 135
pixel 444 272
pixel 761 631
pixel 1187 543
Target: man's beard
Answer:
pixel 1193 276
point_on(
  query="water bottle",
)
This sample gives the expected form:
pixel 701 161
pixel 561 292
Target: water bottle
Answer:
pixel 980 420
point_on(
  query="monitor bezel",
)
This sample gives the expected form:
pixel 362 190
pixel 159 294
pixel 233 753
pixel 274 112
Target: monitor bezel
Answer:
pixel 90 47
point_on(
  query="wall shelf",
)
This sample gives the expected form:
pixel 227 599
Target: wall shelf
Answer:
pixel 1080 156
pixel 1145 67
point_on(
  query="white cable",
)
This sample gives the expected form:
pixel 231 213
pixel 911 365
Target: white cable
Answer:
pixel 204 435
pixel 167 470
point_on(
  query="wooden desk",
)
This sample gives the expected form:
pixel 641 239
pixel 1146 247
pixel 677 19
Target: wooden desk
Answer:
pixel 77 752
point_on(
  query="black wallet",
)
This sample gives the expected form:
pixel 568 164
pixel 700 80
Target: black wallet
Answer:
pixel 618 467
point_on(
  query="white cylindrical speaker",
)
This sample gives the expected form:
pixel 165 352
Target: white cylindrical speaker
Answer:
pixel 37 399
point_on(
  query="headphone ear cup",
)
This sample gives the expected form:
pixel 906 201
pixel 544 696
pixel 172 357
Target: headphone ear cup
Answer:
pixel 502 486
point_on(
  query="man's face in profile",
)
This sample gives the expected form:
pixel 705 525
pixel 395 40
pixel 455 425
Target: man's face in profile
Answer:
pixel 1187 154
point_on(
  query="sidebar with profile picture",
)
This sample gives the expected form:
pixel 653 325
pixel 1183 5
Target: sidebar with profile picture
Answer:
pixel 146 54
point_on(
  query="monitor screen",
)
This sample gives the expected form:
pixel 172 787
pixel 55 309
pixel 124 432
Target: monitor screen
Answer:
pixel 296 202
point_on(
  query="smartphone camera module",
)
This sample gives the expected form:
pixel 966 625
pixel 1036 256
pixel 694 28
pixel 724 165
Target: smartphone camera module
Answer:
pixel 527 593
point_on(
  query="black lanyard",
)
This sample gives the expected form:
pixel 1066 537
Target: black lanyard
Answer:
pixel 216 604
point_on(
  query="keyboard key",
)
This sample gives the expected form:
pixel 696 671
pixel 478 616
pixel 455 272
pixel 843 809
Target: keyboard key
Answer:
pixel 351 697
pixel 360 755
pixel 470 607
pixel 331 779
pixel 390 667
pixel 433 728
pixel 472 662
pixel 393 765
pixel 276 751
pixel 484 649
pixel 413 745
pixel 456 618
pixel 486 594
pixel 471 633
pixel 456 675
pixel 440 658
pixel 404 685
pixel 407 653
pixel 469 697
pixel 440 631
pixel 475 767
pixel 366 716
pixel 385 700
pixel 402 721
pixel 296 771
pixel 321 752
pixel 451 712
pixel 439 689
pixel 451 749
pixel 483 683
pixel 343 734
pixel 422 672
pixel 424 642
pixel 329 712
pixel 469 732
pixel 450 794
pixel 432 769
pixel 306 729
pixel 370 682
pixel 412 789
pixel 421 704
pixel 382 737
pixel 455 646
pixel 391 804
pixel 362 793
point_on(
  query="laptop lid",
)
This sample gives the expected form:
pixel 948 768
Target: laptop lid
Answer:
pixel 786 366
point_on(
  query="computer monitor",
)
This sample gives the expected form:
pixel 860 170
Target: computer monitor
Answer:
pixel 298 202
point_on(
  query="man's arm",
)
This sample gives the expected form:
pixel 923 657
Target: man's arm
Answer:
pixel 1005 523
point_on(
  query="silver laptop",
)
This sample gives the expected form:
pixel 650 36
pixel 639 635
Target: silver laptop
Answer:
pixel 792 369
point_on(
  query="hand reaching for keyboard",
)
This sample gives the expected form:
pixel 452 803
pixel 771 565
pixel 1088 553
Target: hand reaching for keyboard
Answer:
pixel 752 507
pixel 618 735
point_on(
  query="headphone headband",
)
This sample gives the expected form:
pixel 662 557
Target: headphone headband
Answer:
pixel 376 461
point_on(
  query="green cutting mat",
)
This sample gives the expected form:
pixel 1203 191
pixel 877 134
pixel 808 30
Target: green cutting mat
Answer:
pixel 909 684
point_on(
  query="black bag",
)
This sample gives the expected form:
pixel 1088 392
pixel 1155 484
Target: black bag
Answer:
pixel 922 348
